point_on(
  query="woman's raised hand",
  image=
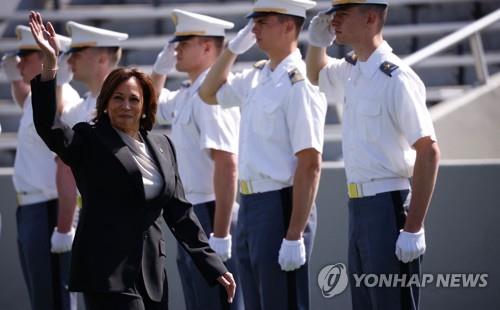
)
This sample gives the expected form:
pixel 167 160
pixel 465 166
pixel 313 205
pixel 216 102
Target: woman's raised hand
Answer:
pixel 45 37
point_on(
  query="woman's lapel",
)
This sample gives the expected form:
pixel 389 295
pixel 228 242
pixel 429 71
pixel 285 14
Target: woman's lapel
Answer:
pixel 120 150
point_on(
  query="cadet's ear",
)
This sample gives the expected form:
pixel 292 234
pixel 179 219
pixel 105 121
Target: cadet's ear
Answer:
pixel 289 26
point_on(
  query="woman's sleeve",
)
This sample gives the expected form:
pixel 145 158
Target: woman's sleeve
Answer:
pixel 59 138
pixel 187 230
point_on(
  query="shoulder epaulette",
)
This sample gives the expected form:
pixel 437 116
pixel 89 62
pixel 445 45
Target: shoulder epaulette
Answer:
pixel 260 64
pixel 295 76
pixel 186 83
pixel 351 58
pixel 388 68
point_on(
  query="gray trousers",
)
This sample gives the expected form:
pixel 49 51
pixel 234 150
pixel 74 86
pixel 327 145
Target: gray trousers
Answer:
pixel 197 293
pixel 374 224
pixel 262 224
pixel 46 274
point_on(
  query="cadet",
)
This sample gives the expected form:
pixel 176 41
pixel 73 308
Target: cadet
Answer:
pixel 44 229
pixel 281 140
pixel 206 142
pixel 388 137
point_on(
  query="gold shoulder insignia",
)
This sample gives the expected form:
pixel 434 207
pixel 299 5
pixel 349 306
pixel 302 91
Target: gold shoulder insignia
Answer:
pixel 388 68
pixel 351 58
pixel 295 76
pixel 260 64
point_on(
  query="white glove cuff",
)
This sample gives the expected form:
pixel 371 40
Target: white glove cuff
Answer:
pixel 413 235
pixel 217 239
pixel 293 243
pixel 70 233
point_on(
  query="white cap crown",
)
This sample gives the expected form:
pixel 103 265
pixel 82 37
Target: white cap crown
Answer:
pixel 88 36
pixel 288 7
pixel 27 42
pixel 192 24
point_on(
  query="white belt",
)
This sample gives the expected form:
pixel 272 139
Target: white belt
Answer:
pixel 27 198
pixel 259 186
pixel 372 188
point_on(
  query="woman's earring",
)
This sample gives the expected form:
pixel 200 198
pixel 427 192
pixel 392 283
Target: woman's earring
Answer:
pixel 105 111
pixel 143 116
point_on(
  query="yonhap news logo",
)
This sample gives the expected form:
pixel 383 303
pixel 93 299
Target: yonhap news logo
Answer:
pixel 333 280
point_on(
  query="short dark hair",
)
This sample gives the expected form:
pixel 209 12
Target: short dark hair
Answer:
pixel 117 77
pixel 297 20
pixel 217 40
pixel 379 9
pixel 114 53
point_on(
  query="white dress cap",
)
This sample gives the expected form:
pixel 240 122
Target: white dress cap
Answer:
pixel 338 4
pixel 286 7
pixel 88 36
pixel 27 43
pixel 189 24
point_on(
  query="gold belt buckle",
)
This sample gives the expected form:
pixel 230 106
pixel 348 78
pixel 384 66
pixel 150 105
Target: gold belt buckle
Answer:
pixel 354 190
pixel 245 187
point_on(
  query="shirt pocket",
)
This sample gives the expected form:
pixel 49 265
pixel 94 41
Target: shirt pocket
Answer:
pixel 370 119
pixel 265 117
pixel 184 129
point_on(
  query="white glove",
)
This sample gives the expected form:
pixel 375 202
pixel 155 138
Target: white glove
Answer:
pixel 64 73
pixel 410 246
pixel 292 254
pixel 165 61
pixel 61 242
pixel 243 40
pixel 221 246
pixel 320 31
pixel 9 65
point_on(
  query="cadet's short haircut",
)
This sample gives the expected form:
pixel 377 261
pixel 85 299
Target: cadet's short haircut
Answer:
pixel 115 54
pixel 380 10
pixel 217 40
pixel 297 20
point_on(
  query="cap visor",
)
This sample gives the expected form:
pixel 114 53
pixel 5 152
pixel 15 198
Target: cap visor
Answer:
pixel 76 49
pixel 181 38
pixel 337 7
pixel 260 14
pixel 25 52
pixel 332 10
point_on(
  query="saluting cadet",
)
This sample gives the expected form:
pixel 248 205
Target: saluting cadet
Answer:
pixel 94 53
pixel 281 140
pixel 388 138
pixel 44 229
pixel 206 142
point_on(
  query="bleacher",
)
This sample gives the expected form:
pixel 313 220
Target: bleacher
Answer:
pixel 412 25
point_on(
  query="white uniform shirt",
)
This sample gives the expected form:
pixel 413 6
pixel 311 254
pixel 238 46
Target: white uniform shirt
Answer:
pixel 34 165
pixel 80 110
pixel 196 128
pixel 278 119
pixel 383 115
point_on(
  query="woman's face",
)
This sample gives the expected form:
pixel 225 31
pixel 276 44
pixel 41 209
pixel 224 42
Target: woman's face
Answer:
pixel 126 105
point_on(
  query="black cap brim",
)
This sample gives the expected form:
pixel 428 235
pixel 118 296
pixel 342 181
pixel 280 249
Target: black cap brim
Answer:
pixel 181 38
pixel 185 38
pixel 26 52
pixel 260 14
pixel 76 49
pixel 337 7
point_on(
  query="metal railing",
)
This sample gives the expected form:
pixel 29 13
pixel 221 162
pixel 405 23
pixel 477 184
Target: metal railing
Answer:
pixel 471 32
